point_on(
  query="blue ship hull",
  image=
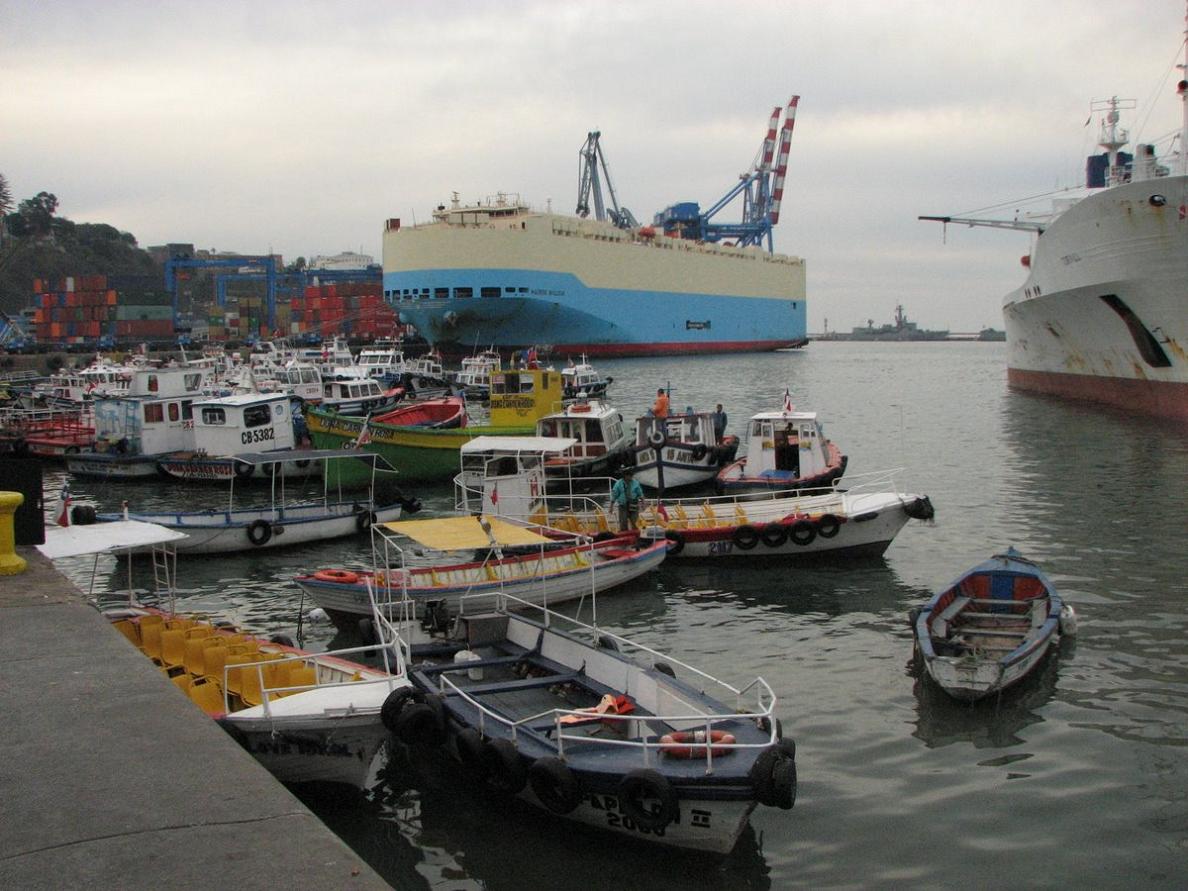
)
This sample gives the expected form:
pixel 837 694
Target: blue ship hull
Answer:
pixel 524 308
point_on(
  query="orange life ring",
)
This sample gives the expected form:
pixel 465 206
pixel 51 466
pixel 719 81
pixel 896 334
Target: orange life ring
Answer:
pixel 342 576
pixel 675 745
pixel 580 407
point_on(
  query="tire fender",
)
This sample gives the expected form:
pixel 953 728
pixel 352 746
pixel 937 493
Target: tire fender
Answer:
pixel 554 785
pixel 642 784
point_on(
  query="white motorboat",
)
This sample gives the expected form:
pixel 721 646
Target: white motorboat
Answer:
pixel 680 450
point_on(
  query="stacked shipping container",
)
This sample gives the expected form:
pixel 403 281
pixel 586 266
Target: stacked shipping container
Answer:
pixel 82 309
pixel 354 309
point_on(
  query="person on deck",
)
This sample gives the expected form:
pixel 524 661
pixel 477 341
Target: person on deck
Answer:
pixel 719 417
pixel 660 406
pixel 627 494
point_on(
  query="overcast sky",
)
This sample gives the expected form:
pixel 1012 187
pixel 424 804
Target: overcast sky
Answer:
pixel 299 127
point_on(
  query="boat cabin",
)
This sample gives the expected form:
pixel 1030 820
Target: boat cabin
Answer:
pixel 786 444
pixel 582 378
pixel 691 428
pixel 301 379
pixel 597 431
pixel 245 423
pixel 505 475
pixel 381 363
pixel 521 398
pixel 155 417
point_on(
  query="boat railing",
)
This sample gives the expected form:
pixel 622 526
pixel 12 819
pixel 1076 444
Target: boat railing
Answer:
pixel 393 676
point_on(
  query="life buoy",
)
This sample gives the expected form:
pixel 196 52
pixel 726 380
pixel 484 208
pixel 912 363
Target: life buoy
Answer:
pixel 774 535
pixel 341 576
pixel 802 532
pixel 506 771
pixel 699 451
pixel 259 532
pixel 243 471
pixel 643 785
pixel 828 526
pixel 656 439
pixel 676 541
pixel 554 785
pixel 580 407
pixel 692 743
pixel 745 537
pixel 364 519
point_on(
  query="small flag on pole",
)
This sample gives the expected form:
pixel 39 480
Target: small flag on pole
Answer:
pixel 788 400
pixel 495 494
pixel 64 514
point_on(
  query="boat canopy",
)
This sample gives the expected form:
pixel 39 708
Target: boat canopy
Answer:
pixel 255 458
pixel 510 444
pixel 466 533
pixel 103 538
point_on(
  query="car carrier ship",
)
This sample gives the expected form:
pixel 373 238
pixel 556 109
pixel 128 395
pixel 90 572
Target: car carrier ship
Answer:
pixel 499 274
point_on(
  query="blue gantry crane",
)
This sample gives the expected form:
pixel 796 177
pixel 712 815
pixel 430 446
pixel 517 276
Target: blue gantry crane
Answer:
pixel 267 266
pixel 761 188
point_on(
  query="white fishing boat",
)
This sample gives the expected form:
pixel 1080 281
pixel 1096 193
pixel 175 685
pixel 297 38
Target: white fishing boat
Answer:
pixel 304 716
pixel 680 450
pixel 475 375
pixel 860 521
pixel 581 381
pixel 355 395
pixel 784 450
pixel 135 430
pixel 546 568
pixel 284 521
pixel 233 425
pixel 385 364
pixel 602 444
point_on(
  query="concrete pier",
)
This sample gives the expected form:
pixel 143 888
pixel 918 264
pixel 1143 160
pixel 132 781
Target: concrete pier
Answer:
pixel 111 778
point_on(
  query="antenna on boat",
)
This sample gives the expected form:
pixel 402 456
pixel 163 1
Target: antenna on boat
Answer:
pixel 1182 89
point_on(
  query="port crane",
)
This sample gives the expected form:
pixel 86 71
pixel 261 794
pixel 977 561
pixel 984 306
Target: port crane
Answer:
pixel 761 188
pixel 591 159
pixel 266 265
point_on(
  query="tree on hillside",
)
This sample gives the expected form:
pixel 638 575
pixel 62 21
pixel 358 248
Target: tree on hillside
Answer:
pixel 5 203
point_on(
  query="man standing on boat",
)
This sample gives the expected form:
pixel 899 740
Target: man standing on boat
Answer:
pixel 719 417
pixel 660 406
pixel 627 494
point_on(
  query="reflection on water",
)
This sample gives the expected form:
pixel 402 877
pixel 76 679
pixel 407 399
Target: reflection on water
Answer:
pixel 1078 775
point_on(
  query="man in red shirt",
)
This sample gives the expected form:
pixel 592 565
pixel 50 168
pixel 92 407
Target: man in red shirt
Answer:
pixel 660 406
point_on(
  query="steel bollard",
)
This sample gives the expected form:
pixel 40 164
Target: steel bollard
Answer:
pixel 10 563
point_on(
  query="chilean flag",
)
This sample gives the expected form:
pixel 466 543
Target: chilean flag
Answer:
pixel 788 407
pixel 64 514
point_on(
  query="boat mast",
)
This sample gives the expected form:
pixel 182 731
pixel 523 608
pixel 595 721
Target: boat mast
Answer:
pixel 1182 89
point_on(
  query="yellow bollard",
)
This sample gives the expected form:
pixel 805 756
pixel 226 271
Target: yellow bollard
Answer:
pixel 10 563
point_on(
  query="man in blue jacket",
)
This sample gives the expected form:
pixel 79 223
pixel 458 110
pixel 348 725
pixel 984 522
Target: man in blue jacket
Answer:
pixel 627 494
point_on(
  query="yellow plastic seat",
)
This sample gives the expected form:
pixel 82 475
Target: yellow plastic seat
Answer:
pixel 173 648
pixel 254 678
pixel 150 637
pixel 129 629
pixel 207 694
pixel 197 649
pixel 183 682
pixel 301 676
pixel 214 659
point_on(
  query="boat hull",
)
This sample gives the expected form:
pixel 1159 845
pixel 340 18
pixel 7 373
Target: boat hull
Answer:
pixel 200 469
pixel 225 532
pixel 576 286
pixel 1102 314
pixel 98 465
pixel 348 602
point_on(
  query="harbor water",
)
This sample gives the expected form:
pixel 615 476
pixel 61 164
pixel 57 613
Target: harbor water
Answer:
pixel 1078 778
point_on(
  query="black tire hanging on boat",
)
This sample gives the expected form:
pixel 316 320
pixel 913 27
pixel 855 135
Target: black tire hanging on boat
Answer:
pixel 604 536
pixel 656 439
pixel 82 515
pixel 472 752
pixel 259 532
pixel 783 784
pixel 243 471
pixel 506 771
pixel 699 451
pixel 395 703
pixel 664 668
pixel 802 533
pixel 745 537
pixel 774 535
pixel 363 519
pixel 760 775
pixel 554 784
pixel 678 541
pixel 641 784
pixel 419 724
pixel 828 526
pixel 283 639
